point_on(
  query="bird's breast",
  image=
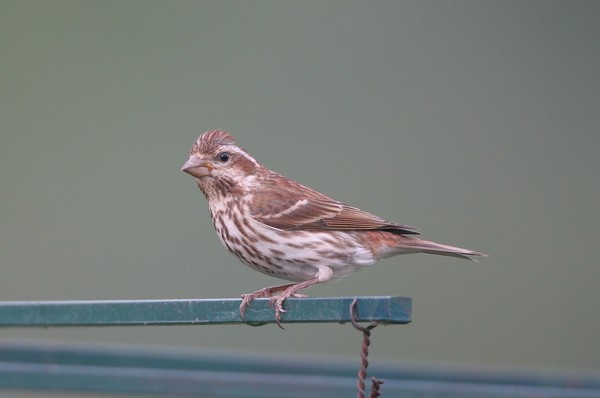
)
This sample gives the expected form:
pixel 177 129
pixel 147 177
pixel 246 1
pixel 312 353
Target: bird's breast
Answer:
pixel 293 255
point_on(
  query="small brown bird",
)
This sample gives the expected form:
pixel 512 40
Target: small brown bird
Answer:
pixel 282 228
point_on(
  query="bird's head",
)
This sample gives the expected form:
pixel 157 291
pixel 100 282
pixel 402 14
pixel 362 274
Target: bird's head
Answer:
pixel 215 161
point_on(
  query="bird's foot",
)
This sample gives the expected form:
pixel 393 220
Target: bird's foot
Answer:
pixel 267 292
pixel 276 295
pixel 276 302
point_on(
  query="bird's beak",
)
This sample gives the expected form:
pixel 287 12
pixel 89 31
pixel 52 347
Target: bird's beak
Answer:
pixel 197 167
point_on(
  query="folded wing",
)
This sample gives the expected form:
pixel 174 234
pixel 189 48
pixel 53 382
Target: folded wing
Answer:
pixel 287 205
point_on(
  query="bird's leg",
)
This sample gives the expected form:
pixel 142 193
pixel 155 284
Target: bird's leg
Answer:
pixel 276 295
pixel 267 292
pixel 290 291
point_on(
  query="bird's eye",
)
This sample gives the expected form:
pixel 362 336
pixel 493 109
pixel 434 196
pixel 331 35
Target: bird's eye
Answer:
pixel 224 156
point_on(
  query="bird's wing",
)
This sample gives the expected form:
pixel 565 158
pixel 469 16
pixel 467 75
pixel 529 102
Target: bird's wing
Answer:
pixel 284 204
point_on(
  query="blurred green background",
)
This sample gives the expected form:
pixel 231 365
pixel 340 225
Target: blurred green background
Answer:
pixel 475 121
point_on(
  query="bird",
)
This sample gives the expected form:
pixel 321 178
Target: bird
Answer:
pixel 287 230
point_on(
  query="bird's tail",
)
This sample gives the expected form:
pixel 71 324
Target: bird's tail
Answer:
pixel 403 244
pixel 428 247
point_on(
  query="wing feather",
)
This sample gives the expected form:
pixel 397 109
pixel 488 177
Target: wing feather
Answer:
pixel 284 204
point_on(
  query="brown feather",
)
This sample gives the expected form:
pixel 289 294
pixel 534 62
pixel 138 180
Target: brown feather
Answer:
pixel 287 205
pixel 210 140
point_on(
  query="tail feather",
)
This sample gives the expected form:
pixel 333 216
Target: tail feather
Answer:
pixel 428 247
pixel 384 244
pixel 408 245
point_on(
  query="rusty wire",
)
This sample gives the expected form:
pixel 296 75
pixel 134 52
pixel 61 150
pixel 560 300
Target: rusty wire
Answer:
pixel 364 362
pixel 375 385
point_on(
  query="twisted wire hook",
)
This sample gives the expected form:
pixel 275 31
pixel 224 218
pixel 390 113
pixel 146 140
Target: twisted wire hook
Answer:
pixel 364 363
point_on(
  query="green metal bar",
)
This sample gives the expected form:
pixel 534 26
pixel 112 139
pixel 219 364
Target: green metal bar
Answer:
pixel 386 309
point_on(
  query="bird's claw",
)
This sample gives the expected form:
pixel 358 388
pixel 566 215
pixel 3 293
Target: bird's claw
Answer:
pixel 275 301
pixel 248 297
pixel 277 296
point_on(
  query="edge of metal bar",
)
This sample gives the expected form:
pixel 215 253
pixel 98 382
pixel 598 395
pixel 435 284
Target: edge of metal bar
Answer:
pixel 383 309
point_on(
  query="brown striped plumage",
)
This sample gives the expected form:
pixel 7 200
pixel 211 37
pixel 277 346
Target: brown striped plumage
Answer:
pixel 284 229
